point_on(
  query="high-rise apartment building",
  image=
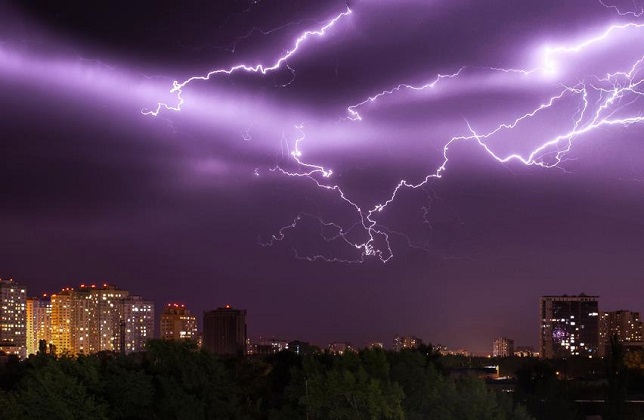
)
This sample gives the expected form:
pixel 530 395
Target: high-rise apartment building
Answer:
pixel 626 325
pixel 13 318
pixel 224 331
pixel 61 322
pixel 38 323
pixel 108 300
pixel 569 326
pixel 136 323
pixel 177 323
pixel 83 320
pixel 91 318
pixel 503 347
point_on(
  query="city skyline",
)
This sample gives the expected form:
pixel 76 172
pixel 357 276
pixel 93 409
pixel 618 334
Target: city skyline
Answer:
pixel 176 322
pixel 342 171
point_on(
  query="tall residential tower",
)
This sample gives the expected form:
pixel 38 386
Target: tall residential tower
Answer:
pixel 13 318
pixel 503 347
pixel 177 323
pixel 224 331
pixel 38 323
pixel 626 325
pixel 569 326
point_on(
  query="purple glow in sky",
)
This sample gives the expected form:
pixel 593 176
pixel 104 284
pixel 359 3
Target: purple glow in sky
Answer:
pixel 487 153
pixel 594 94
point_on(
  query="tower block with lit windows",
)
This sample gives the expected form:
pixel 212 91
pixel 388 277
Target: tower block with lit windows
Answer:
pixel 91 318
pixel 38 323
pixel 626 325
pixel 13 318
pixel 569 326
pixel 503 347
pixel 177 323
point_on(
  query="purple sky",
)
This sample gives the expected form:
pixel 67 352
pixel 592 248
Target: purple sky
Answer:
pixel 179 207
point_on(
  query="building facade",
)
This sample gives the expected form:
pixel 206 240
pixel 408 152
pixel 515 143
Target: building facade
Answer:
pixel 569 326
pixel 91 318
pixel 61 322
pixel 13 318
pixel 525 351
pixel 108 301
pixel 177 323
pixel 136 322
pixel 83 314
pixel 38 312
pixel 503 347
pixel 224 331
pixel 267 346
pixel 626 325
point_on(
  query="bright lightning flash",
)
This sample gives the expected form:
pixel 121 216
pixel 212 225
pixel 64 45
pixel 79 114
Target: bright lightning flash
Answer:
pixel 614 91
pixel 177 87
pixel 601 102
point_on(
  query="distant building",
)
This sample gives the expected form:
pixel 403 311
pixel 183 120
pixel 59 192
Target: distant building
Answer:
pixel 503 347
pixel 445 351
pixel 376 345
pixel 626 325
pixel 406 342
pixel 38 313
pixel 268 346
pixel 13 318
pixel 177 323
pixel 569 326
pixel 525 351
pixel 273 345
pixel 340 348
pixel 224 331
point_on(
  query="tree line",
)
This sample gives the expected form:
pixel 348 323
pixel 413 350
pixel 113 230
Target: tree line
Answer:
pixel 176 380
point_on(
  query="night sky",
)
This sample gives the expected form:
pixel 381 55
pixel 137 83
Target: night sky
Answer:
pixel 212 205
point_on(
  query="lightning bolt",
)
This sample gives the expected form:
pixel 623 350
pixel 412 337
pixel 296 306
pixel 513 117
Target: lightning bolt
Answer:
pixel 311 172
pixel 600 103
pixel 615 91
pixel 635 13
pixel 177 87
pixel 354 115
